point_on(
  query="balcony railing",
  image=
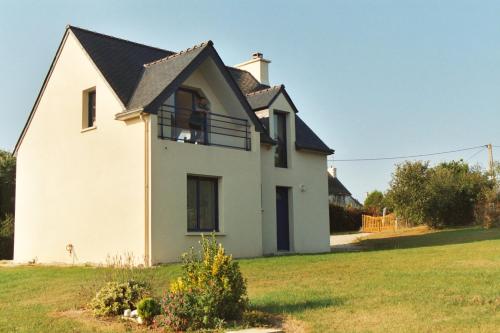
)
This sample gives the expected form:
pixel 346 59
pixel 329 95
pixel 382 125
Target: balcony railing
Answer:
pixel 203 127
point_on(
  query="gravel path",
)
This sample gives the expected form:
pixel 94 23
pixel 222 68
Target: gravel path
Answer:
pixel 347 242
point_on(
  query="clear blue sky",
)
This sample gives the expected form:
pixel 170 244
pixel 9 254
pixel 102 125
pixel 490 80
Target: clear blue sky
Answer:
pixel 372 78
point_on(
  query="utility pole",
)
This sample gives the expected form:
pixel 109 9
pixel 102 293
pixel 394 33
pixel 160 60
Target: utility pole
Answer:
pixel 490 160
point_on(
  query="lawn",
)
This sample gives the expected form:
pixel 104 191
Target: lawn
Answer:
pixel 438 281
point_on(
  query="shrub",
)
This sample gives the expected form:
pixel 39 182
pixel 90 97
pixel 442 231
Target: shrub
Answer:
pixel 6 236
pixel 116 297
pixel 148 308
pixel 178 313
pixel 439 196
pixel 210 291
pixel 344 219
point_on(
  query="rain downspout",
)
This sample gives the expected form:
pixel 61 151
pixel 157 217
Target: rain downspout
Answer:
pixel 147 255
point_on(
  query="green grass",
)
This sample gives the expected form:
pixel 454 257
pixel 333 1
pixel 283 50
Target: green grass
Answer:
pixel 440 281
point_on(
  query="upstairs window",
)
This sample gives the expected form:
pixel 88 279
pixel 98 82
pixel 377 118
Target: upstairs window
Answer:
pixel 202 204
pixel 191 116
pixel 89 108
pixel 280 135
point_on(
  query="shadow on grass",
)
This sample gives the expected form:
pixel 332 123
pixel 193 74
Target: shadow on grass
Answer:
pixel 291 307
pixel 443 237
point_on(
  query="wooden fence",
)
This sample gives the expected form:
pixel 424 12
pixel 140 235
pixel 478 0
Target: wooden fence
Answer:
pixel 379 223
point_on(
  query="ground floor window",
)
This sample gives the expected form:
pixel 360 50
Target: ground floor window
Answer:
pixel 202 204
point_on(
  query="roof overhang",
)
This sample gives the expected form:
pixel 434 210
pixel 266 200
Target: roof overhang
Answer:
pixel 315 150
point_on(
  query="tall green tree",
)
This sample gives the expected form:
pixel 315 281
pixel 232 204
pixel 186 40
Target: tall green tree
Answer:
pixel 454 190
pixel 407 194
pixel 375 202
pixel 7 183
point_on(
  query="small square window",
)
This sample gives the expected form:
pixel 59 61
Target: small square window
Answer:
pixel 89 108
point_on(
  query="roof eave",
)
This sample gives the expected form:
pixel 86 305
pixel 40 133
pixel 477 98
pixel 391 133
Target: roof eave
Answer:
pixel 315 150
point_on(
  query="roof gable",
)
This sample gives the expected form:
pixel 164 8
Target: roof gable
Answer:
pixel 262 99
pixel 161 74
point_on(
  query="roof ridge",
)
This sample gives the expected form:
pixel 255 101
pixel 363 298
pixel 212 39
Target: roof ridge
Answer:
pixel 189 49
pixel 266 89
pixel 118 38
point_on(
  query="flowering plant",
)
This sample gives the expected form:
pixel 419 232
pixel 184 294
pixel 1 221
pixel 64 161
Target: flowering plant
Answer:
pixel 210 291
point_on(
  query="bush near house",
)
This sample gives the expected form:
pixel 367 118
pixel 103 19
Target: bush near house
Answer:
pixel 148 308
pixel 7 237
pixel 210 291
pixel 344 218
pixel 115 297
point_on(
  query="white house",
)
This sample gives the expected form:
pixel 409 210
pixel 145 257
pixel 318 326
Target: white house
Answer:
pixel 338 194
pixel 135 150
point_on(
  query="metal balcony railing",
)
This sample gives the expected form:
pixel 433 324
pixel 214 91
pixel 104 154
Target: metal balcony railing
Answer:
pixel 203 127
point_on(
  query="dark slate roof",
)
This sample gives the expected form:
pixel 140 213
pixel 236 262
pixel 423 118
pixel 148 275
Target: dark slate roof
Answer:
pixel 246 81
pixel 138 72
pixel 161 73
pixel 141 75
pixel 262 99
pixel 335 187
pixel 306 139
pixel 120 61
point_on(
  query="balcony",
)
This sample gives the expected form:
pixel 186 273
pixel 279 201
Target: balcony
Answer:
pixel 203 128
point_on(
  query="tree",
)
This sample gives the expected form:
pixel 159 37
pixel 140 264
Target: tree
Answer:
pixel 407 193
pixel 7 197
pixel 444 195
pixel 454 190
pixel 375 202
pixel 7 183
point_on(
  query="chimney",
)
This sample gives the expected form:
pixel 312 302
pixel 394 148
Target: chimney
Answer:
pixel 258 67
pixel 332 171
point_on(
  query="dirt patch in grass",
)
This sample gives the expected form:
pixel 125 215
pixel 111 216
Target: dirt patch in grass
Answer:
pixel 111 324
pixel 251 319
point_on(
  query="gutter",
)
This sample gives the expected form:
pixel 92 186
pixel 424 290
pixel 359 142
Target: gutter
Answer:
pixel 129 114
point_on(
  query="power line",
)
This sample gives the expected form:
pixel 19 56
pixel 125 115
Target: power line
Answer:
pixel 475 154
pixel 406 156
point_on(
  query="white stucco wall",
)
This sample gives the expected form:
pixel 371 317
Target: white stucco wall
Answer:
pixel 84 189
pixel 239 184
pixel 308 209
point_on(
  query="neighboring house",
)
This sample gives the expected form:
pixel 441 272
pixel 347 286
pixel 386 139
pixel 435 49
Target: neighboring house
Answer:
pixel 136 151
pixel 338 194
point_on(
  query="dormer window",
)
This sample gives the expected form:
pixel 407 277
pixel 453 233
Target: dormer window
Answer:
pixel 280 135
